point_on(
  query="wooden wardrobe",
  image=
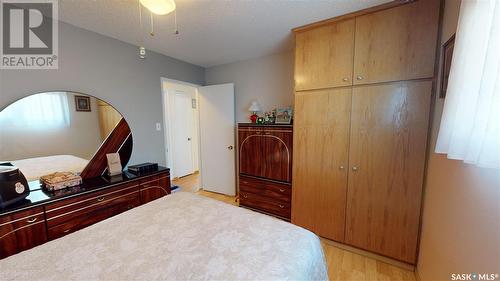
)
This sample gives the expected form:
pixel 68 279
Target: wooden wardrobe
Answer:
pixel 363 92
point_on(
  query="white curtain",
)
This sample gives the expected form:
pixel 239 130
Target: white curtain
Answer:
pixel 470 125
pixel 41 111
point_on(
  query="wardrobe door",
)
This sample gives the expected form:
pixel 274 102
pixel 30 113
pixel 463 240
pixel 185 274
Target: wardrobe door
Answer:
pixel 251 152
pixel 396 44
pixel 277 160
pixel 323 56
pixel 321 143
pixel 387 153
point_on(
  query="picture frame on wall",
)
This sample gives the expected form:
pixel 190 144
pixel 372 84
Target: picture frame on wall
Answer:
pixel 82 103
pixel 447 58
pixel 284 115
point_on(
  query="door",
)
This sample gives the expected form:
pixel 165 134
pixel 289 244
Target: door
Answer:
pixel 387 156
pixel 323 56
pixel 182 134
pixel 108 118
pixel 321 144
pixel 396 44
pixel 217 137
pixel 255 145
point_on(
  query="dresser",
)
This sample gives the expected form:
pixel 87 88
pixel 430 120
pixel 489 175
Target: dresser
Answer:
pixel 45 216
pixel 265 168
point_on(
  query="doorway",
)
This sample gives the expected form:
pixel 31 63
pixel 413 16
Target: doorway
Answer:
pixel 181 127
pixel 200 134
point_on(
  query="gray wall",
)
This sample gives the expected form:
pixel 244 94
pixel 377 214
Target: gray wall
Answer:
pixel 269 80
pixel 110 70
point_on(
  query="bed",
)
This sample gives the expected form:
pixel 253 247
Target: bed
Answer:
pixel 34 168
pixel 182 236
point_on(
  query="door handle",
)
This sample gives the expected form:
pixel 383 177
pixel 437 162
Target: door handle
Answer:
pixel 230 147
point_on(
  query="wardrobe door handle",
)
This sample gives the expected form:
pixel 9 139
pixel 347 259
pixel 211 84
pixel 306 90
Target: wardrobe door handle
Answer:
pixel 359 77
pixel 345 79
pixel 341 168
pixel 354 168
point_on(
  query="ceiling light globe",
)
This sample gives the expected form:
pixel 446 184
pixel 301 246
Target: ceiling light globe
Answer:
pixel 159 7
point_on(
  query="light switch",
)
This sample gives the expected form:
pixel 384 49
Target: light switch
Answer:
pixel 158 126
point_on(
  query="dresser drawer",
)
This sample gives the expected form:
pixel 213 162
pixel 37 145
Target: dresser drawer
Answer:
pixel 255 201
pixel 271 190
pixel 85 210
pixel 21 231
pixel 72 222
pixel 155 187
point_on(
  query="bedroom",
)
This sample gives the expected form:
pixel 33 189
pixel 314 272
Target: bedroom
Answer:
pixel 267 51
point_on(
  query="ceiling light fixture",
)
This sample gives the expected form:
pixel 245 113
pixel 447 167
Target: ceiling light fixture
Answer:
pixel 159 7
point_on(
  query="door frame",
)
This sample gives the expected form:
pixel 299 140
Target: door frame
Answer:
pixel 167 117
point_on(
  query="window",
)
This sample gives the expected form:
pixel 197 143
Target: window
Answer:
pixel 42 111
pixel 470 126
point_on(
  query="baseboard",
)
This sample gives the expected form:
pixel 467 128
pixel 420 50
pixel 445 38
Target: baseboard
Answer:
pixel 417 274
pixel 384 259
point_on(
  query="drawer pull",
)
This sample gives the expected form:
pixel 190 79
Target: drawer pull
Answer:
pixel 66 231
pixel 31 220
pixel 281 206
pixel 267 133
pixel 100 199
pixel 245 196
pixel 282 190
pixel 244 182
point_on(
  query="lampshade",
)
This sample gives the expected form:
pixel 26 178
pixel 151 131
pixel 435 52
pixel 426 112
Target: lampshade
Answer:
pixel 255 107
pixel 159 7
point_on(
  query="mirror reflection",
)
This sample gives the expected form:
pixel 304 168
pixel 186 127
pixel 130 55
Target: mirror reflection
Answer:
pixel 54 132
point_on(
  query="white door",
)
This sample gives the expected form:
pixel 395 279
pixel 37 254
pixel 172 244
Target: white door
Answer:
pixel 217 135
pixel 182 134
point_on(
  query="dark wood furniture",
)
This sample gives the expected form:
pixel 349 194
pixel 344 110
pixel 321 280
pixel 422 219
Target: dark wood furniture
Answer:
pixel 45 216
pixel 119 141
pixel 265 168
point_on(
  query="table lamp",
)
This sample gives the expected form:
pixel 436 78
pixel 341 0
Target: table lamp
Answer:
pixel 254 108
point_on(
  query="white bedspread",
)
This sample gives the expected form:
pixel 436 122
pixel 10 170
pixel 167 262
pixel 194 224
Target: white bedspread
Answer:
pixel 182 236
pixel 34 168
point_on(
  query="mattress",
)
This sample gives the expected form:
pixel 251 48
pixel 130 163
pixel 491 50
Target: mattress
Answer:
pixel 182 236
pixel 34 168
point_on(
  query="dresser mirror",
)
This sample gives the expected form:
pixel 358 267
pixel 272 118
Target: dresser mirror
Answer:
pixel 61 131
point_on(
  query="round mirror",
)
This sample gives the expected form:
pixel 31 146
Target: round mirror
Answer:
pixel 62 132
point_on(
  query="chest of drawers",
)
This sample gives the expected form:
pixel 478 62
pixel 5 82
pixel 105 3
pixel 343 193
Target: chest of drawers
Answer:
pixel 51 216
pixel 265 168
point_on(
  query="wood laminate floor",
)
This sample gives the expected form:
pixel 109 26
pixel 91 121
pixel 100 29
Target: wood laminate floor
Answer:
pixel 343 265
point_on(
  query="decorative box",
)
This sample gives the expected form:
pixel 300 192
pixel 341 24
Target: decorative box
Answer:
pixel 60 180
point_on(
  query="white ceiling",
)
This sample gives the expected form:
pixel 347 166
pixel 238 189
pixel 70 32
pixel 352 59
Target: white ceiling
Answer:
pixel 212 32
